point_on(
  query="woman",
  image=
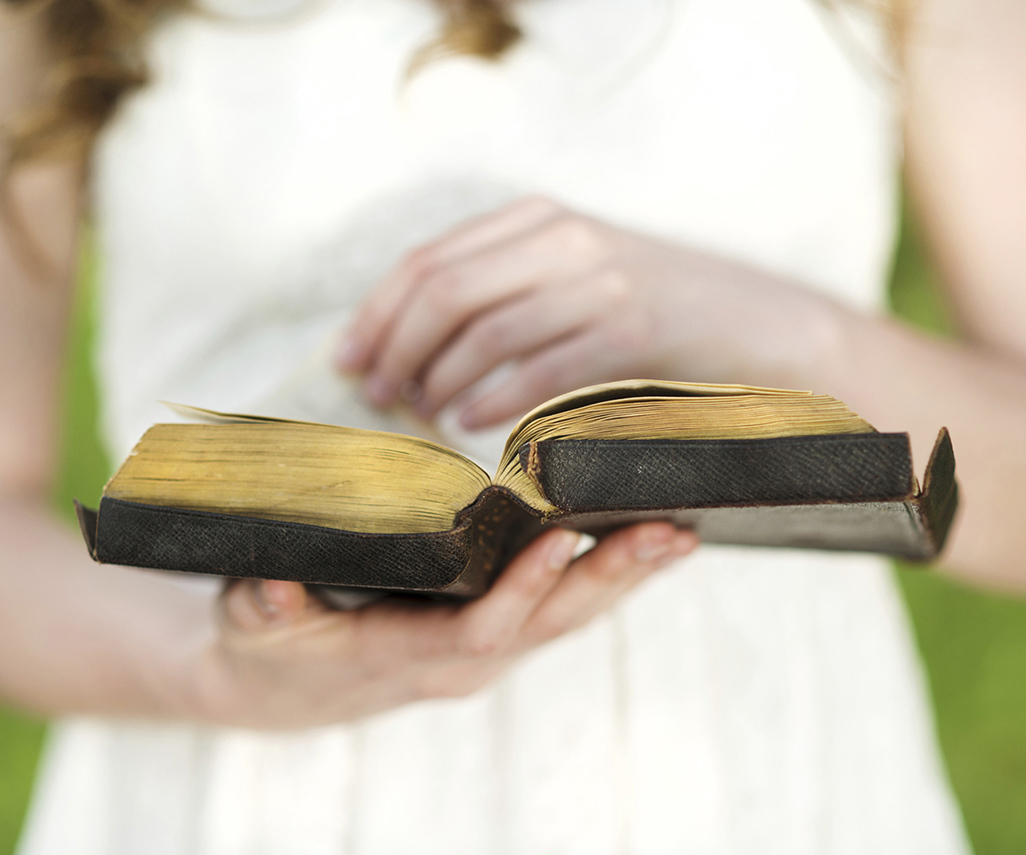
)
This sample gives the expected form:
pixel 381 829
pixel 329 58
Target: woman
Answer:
pixel 725 183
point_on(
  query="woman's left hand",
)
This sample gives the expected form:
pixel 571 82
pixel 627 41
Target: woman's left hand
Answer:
pixel 572 301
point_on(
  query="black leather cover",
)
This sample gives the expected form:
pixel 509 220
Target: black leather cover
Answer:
pixel 579 476
pixel 460 562
pixel 830 492
pixel 851 493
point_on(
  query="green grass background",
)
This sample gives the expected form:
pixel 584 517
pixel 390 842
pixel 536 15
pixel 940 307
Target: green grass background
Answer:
pixel 973 644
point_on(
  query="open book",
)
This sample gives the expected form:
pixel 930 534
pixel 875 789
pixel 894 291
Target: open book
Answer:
pixel 249 496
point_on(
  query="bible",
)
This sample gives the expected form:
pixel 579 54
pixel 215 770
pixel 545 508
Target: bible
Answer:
pixel 252 496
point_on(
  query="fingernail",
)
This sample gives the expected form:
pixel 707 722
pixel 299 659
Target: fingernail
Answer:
pixel 268 608
pixel 683 543
pixel 469 419
pixel 423 408
pixel 657 545
pixel 562 550
pixel 410 391
pixel 652 552
pixel 347 354
pixel 379 391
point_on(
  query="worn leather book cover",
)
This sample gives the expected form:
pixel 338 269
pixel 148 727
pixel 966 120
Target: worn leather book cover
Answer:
pixel 853 492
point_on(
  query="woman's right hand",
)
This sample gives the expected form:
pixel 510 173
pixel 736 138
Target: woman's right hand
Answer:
pixel 281 659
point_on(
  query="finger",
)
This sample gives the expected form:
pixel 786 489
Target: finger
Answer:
pixel 600 577
pixel 452 295
pixel 487 626
pixel 254 605
pixel 458 678
pixel 510 330
pixel 593 355
pixel 364 338
pixel 404 631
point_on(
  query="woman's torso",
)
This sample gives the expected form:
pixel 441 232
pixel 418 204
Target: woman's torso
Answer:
pixel 249 199
pixel 276 170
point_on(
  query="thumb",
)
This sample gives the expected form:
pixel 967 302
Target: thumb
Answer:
pixel 254 605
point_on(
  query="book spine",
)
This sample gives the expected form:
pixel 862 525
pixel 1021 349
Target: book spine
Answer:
pixel 461 562
pixel 191 541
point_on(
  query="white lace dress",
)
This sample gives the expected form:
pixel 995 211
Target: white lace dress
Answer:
pixel 744 701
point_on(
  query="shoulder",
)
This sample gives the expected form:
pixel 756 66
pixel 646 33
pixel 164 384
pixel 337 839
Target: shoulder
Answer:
pixel 23 59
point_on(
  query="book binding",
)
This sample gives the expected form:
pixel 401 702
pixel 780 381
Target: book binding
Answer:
pixel 839 492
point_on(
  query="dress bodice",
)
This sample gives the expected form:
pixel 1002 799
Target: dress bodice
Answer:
pixel 280 164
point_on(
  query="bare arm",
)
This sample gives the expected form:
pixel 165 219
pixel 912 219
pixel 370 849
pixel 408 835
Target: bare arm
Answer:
pixel 570 300
pixel 62 619
pixel 574 301
pixel 966 161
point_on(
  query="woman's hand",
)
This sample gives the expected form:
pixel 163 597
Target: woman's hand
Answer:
pixel 572 301
pixel 282 659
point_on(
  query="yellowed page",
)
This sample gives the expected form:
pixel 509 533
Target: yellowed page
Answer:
pixel 338 477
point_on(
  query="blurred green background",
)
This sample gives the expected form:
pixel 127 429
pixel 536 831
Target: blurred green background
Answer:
pixel 973 644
